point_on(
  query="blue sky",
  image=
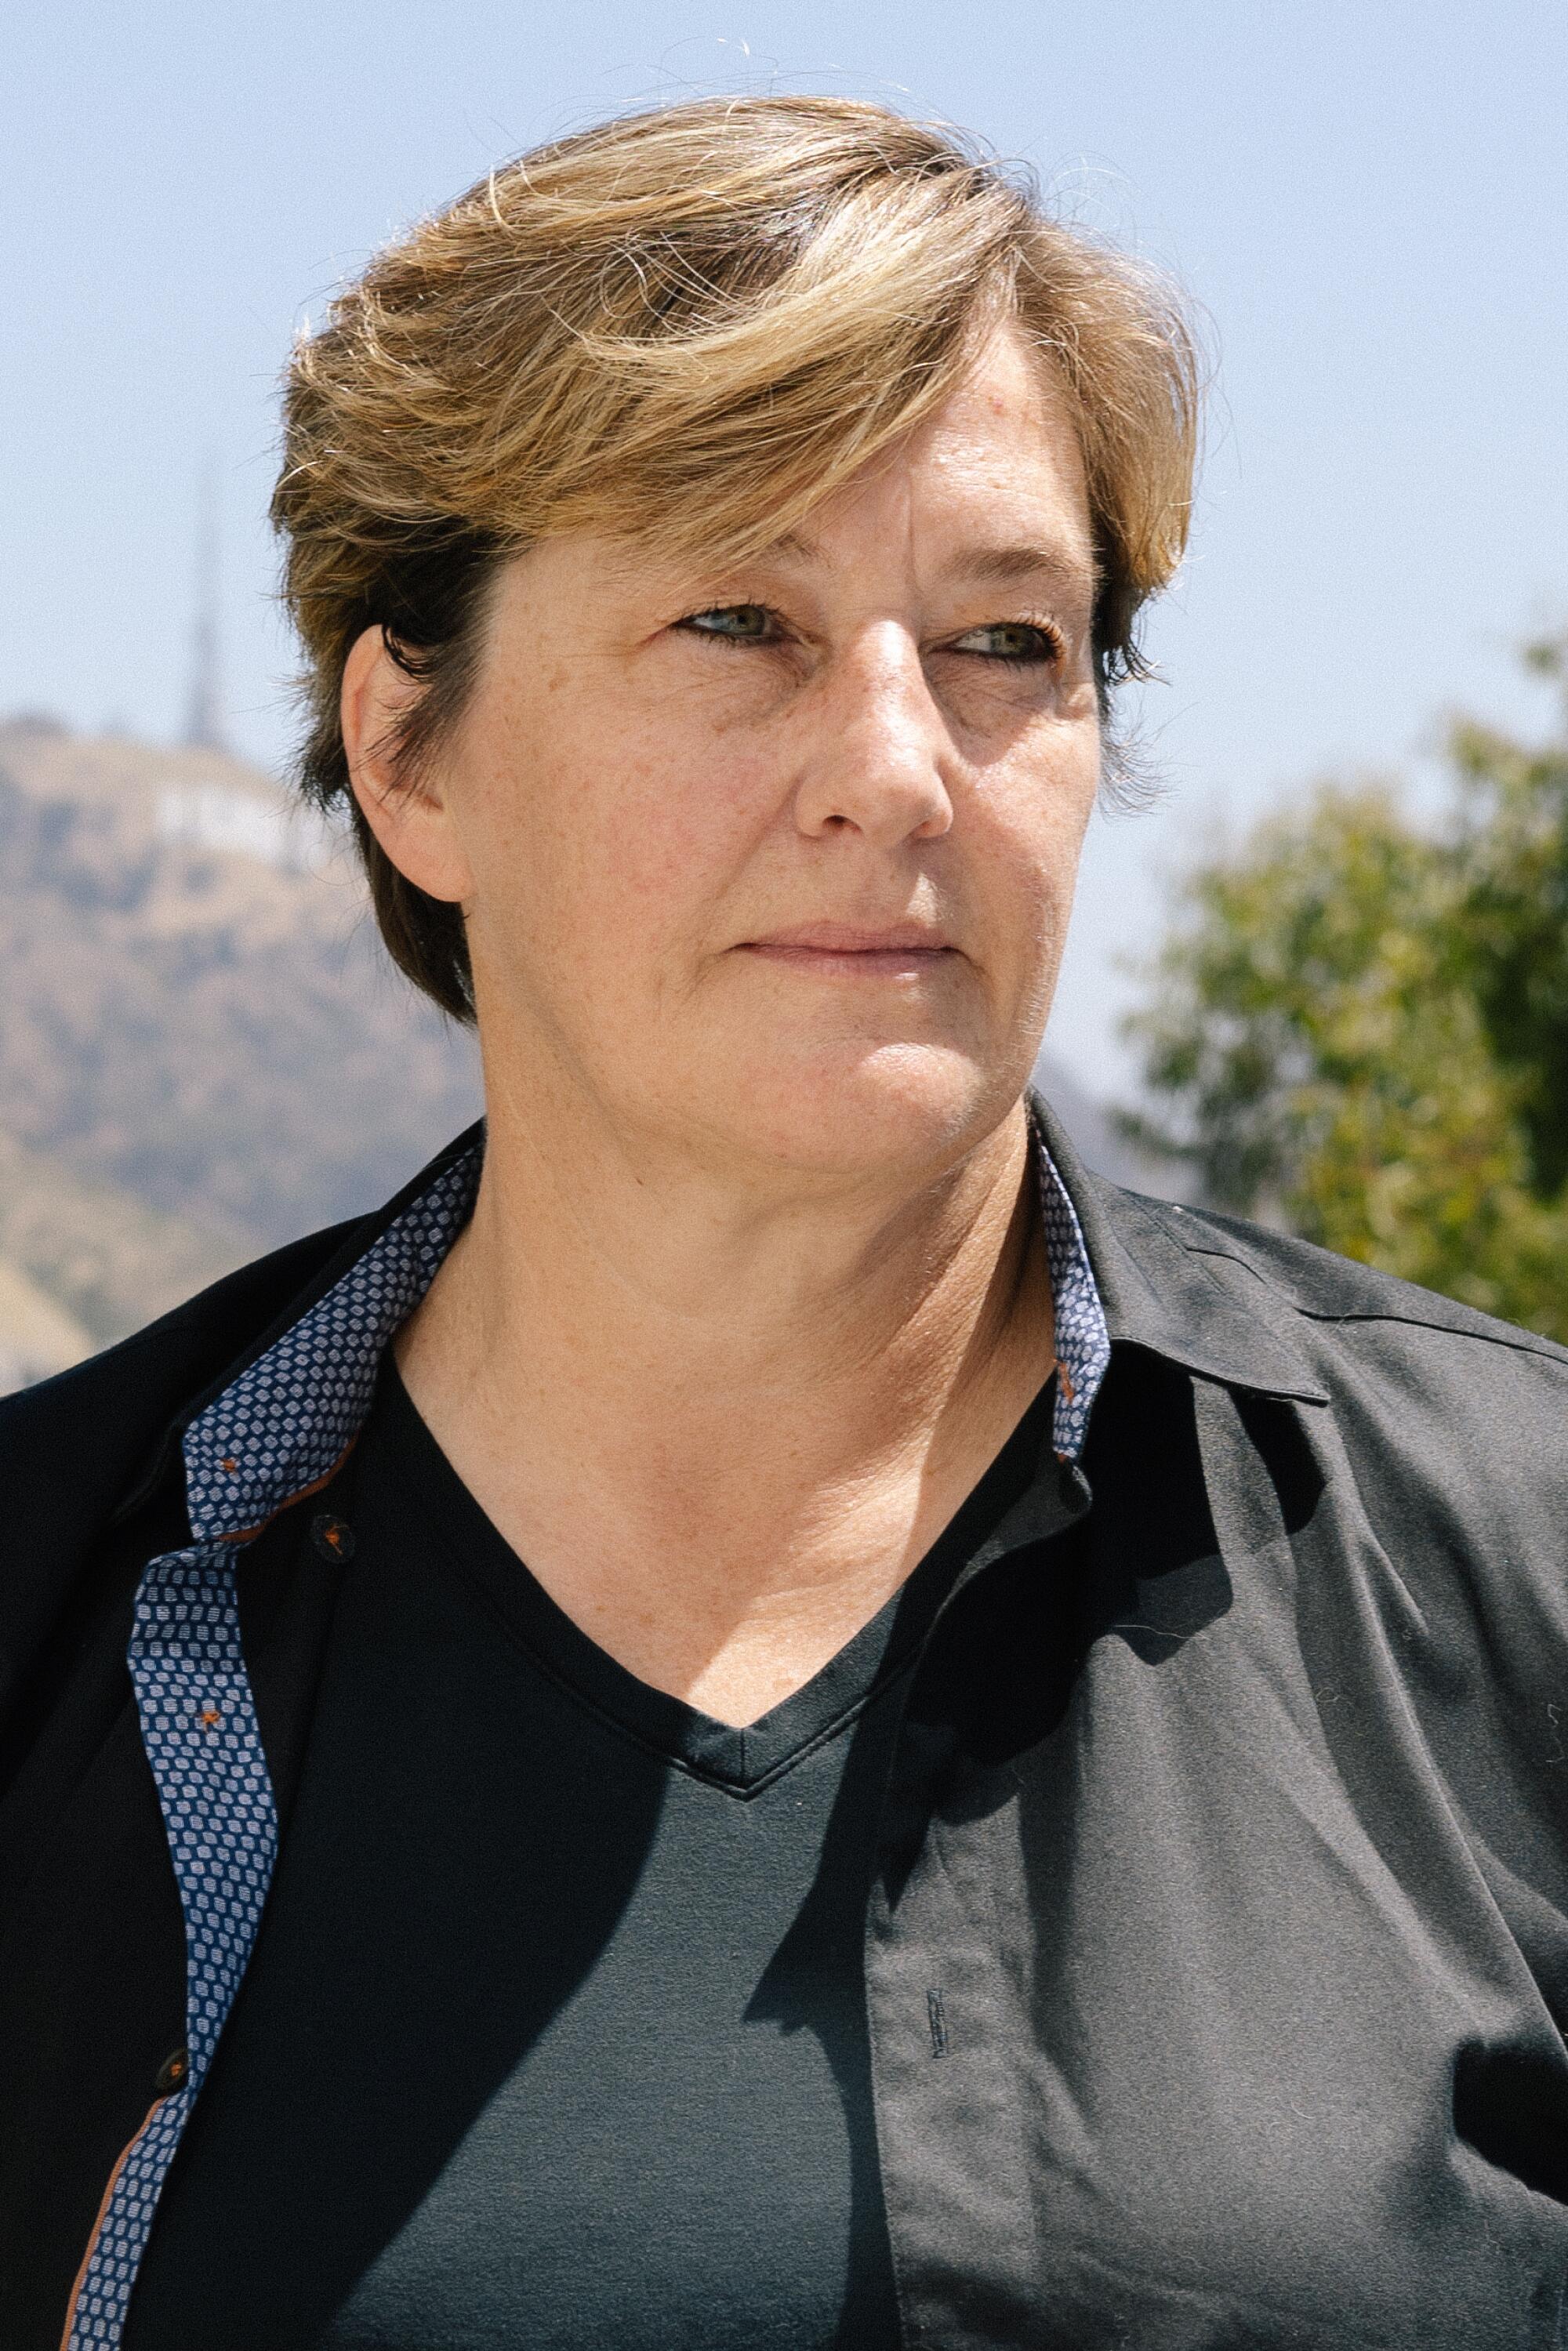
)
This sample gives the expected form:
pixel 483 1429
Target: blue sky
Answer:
pixel 1368 199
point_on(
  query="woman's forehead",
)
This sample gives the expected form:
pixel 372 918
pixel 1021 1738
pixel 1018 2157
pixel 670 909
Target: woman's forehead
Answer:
pixel 987 492
pixel 998 469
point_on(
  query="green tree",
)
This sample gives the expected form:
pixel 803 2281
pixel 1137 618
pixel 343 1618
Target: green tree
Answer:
pixel 1358 1026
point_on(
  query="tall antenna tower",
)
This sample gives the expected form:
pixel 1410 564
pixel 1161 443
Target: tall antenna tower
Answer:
pixel 203 715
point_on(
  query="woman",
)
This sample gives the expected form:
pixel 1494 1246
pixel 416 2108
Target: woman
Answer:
pixel 762 1714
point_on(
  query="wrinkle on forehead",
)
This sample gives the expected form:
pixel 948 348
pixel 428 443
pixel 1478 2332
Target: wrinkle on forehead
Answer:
pixel 1036 469
pixel 978 564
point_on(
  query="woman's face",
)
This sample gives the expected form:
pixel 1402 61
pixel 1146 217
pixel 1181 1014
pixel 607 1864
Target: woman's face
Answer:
pixel 774 862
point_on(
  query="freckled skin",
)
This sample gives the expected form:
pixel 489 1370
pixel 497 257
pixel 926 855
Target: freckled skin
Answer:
pixel 629 802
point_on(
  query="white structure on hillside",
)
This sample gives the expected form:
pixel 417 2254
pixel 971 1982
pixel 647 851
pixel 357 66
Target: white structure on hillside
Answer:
pixel 241 824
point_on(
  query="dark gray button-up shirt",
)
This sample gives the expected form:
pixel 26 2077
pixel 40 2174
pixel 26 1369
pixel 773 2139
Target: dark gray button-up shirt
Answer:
pixel 1217 1949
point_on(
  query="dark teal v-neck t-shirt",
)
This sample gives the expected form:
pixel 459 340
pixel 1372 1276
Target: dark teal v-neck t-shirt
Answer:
pixel 554 2037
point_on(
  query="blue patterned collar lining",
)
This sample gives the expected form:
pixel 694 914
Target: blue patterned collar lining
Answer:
pixel 285 1423
pixel 279 1431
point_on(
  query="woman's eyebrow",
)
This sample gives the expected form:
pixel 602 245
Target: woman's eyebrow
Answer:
pixel 1069 571
pixel 1001 566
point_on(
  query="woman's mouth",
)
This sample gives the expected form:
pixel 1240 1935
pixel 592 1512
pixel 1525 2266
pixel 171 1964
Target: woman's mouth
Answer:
pixel 855 951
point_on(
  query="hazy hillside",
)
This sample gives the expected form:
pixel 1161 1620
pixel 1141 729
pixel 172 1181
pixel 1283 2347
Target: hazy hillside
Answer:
pixel 194 1010
pixel 99 1251
pixel 202 1051
pixel 38 1336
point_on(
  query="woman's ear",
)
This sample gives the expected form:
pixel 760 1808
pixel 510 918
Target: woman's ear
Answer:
pixel 411 819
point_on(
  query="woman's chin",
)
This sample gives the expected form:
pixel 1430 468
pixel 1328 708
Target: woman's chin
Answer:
pixel 854 1111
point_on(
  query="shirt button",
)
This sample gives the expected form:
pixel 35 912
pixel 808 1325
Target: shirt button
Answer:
pixel 173 2072
pixel 333 1538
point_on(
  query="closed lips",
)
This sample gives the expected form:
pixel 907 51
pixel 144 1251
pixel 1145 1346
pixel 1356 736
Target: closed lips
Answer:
pixel 852 939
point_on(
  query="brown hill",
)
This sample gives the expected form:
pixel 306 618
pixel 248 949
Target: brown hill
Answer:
pixel 106 1259
pixel 38 1336
pixel 203 1051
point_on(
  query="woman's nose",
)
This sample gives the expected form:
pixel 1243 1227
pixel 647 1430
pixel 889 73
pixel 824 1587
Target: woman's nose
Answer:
pixel 880 758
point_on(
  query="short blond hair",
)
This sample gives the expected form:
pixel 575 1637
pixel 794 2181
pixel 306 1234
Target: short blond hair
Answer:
pixel 689 326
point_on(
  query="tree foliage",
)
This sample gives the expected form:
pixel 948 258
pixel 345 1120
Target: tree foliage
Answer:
pixel 1358 1026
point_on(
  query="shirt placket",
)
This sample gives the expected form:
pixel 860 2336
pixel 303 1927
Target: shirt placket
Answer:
pixel 276 1433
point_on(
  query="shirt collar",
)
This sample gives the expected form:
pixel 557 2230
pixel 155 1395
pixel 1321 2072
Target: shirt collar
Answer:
pixel 280 1426
pixel 1167 1281
pixel 284 1424
pixel 1123 1270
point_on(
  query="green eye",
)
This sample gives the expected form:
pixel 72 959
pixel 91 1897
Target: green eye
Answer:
pixel 732 624
pixel 1011 641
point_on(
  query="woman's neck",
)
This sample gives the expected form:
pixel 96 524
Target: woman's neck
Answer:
pixel 722 1424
